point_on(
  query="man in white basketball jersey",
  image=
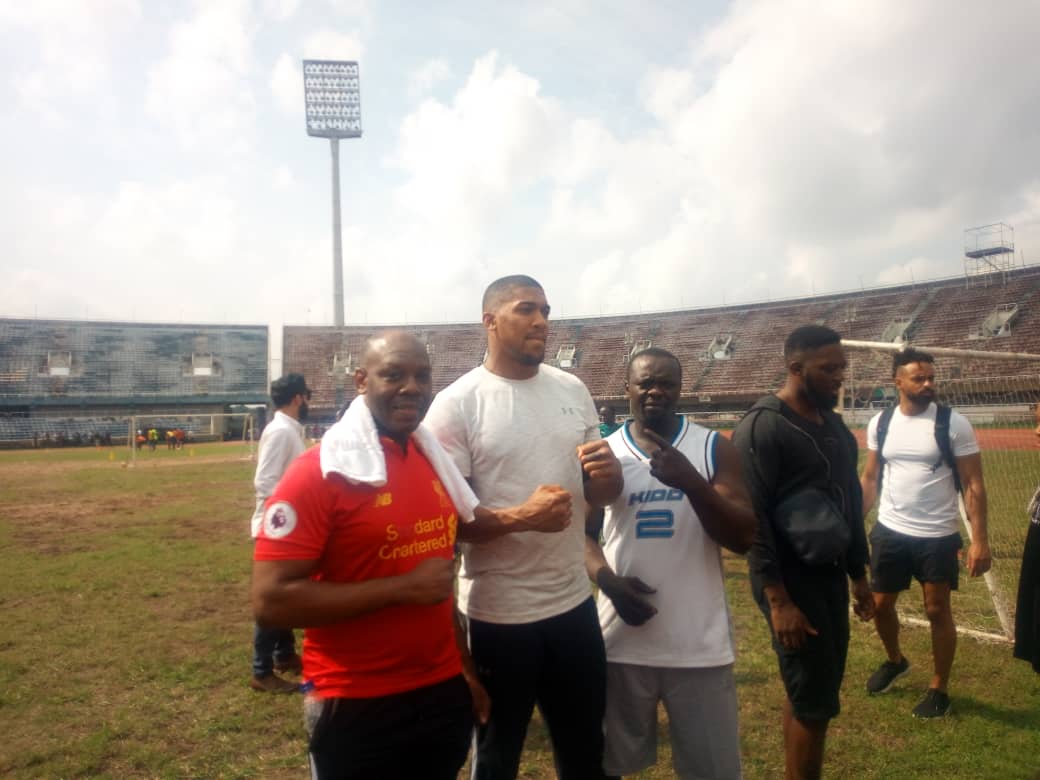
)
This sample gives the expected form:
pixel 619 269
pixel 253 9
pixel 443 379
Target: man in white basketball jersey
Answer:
pixel 662 601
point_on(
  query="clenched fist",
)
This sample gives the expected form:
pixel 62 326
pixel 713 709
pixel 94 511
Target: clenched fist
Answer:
pixel 598 460
pixel 547 509
pixel 430 582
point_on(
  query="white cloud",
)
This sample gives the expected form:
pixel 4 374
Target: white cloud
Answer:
pixel 328 44
pixel 169 251
pixel 914 269
pixel 804 167
pixel 71 54
pixel 287 84
pixel 202 88
pixel 283 177
pixel 793 146
pixel 427 76
pixel 666 91
pixel 466 159
pixel 350 8
pixel 281 10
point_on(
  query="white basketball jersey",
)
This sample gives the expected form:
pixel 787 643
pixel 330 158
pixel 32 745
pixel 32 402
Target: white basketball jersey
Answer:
pixel 652 532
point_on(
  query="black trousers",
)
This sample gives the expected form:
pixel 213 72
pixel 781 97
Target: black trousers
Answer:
pixel 423 733
pixel 559 664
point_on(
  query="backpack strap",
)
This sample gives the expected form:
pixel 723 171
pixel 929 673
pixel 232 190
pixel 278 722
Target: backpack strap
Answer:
pixel 942 438
pixel 882 432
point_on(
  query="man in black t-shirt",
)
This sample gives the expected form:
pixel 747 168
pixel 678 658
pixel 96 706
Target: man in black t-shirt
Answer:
pixel 791 441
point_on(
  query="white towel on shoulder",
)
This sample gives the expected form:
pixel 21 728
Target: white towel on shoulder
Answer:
pixel 352 449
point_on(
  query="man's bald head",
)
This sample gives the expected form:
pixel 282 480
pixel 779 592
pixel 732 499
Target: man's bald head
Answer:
pixel 396 381
pixel 390 341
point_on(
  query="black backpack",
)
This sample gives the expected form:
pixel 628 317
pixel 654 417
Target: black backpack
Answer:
pixel 942 438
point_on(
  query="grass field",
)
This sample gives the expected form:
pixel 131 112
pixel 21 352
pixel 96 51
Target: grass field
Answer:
pixel 125 644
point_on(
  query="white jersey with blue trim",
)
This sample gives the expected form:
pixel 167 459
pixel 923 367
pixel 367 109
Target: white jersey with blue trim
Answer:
pixel 651 531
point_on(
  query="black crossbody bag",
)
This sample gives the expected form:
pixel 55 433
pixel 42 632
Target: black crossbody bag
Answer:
pixel 814 526
pixel 811 521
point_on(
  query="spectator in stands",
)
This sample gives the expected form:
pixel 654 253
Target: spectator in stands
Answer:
pixel 511 424
pixel 921 455
pixel 357 546
pixel 1027 612
pixel 799 461
pixel 662 596
pixel 607 421
pixel 274 649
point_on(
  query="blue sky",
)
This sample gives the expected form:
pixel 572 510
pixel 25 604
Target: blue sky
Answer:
pixel 632 157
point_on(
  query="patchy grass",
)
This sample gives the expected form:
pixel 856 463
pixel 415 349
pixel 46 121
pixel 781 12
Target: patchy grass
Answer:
pixel 126 644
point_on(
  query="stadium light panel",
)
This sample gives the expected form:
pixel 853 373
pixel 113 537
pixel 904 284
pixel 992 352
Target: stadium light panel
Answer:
pixel 332 98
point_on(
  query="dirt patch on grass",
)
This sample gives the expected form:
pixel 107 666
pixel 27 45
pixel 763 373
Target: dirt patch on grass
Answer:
pixel 62 527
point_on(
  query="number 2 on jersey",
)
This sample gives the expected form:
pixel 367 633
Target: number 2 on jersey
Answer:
pixel 655 524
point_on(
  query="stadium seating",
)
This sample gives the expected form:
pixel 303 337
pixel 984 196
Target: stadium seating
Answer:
pixel 55 362
pixel 942 313
pixel 87 372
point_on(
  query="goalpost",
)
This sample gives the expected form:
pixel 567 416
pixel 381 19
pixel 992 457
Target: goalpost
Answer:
pixel 191 429
pixel 997 392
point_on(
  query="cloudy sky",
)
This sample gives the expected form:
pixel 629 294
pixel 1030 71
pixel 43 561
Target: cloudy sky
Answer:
pixel 632 156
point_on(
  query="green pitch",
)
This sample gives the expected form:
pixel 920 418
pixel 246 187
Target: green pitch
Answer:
pixel 125 643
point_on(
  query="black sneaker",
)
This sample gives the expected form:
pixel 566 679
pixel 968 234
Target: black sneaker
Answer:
pixel 887 674
pixel 935 704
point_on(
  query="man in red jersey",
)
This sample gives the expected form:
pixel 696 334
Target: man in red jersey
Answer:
pixel 364 562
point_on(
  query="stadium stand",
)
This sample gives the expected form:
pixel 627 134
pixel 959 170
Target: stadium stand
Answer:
pixel 69 378
pixel 940 313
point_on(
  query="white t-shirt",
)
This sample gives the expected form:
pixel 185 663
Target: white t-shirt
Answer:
pixel 917 498
pixel 651 531
pixel 507 436
pixel 280 444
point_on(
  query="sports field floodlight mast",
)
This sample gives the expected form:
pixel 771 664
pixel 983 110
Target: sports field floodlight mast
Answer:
pixel 332 97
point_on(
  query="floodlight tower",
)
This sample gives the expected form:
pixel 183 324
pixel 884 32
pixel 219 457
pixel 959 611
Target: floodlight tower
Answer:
pixel 332 97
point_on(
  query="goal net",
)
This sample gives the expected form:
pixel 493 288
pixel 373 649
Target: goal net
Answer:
pixel 998 393
pixel 230 434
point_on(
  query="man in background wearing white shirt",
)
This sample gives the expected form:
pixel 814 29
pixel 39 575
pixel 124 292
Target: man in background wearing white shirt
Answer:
pixel 274 649
pixel 916 533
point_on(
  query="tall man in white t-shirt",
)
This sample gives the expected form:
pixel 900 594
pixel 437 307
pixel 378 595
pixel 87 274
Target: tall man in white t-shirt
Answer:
pixel 916 534
pixel 662 597
pixel 510 425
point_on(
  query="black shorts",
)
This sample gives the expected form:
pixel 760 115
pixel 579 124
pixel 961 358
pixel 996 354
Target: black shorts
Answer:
pixel 812 674
pixel 896 557
pixel 421 733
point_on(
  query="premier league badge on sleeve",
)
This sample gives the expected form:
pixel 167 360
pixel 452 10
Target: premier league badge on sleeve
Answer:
pixel 279 520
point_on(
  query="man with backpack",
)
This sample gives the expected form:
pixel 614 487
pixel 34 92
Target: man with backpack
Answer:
pixel 920 455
